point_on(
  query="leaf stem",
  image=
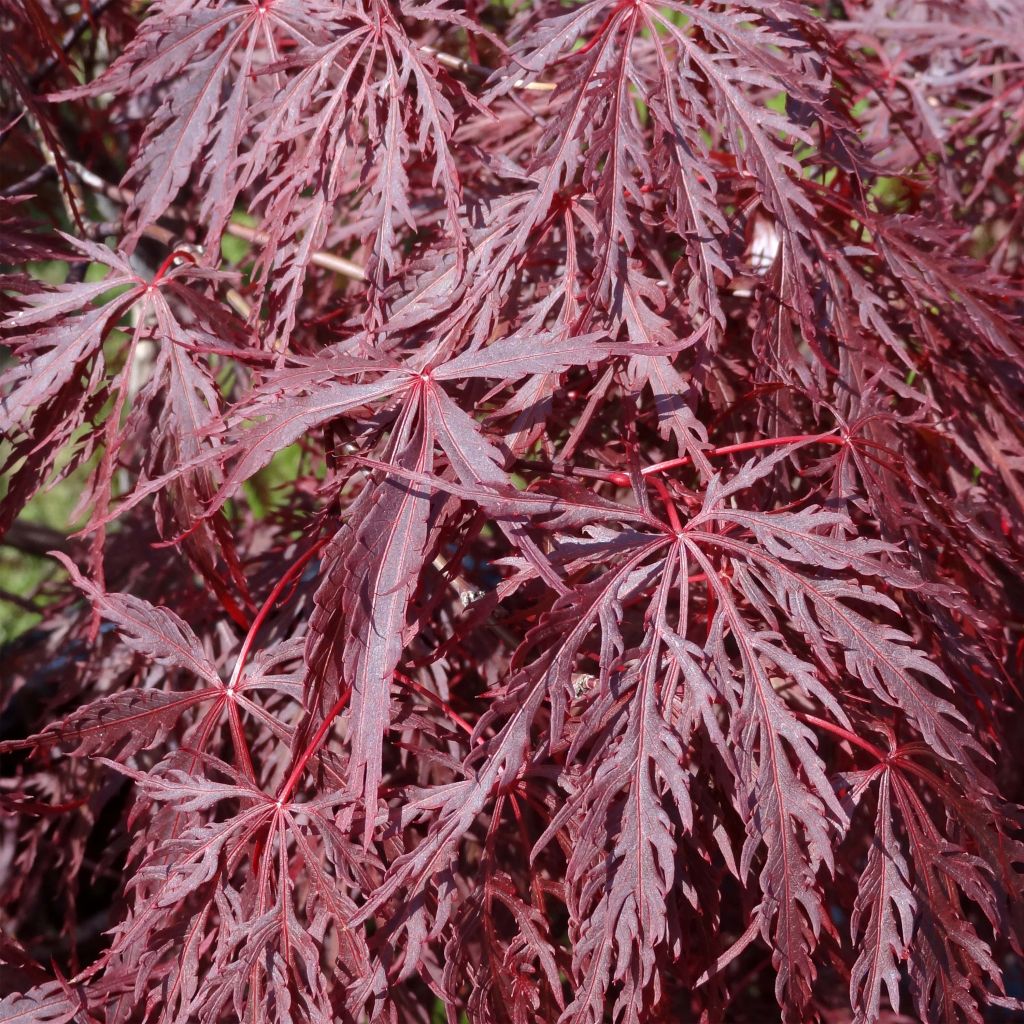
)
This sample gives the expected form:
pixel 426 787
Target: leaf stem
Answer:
pixel 297 566
pixel 168 262
pixel 670 505
pixel 838 730
pixel 622 480
pixel 746 446
pixel 411 684
pixel 314 744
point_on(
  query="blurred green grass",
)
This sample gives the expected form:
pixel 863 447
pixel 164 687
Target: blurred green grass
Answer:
pixel 22 574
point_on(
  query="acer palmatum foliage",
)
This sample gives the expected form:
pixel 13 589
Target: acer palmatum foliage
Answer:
pixel 551 500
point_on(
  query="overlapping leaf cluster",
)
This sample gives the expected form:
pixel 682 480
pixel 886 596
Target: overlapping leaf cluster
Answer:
pixel 552 498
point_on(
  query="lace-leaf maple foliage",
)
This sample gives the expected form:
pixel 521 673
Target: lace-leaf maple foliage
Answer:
pixel 550 488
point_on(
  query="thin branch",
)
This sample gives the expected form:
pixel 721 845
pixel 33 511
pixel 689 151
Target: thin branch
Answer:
pixel 469 68
pixel 35 539
pixel 18 601
pixel 23 187
pixel 71 37
pixel 326 260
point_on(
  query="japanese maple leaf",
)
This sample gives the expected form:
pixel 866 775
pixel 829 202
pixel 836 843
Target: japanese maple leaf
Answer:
pixel 61 376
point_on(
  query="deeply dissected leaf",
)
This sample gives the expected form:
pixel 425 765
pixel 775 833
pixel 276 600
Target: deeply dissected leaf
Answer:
pixel 538 499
